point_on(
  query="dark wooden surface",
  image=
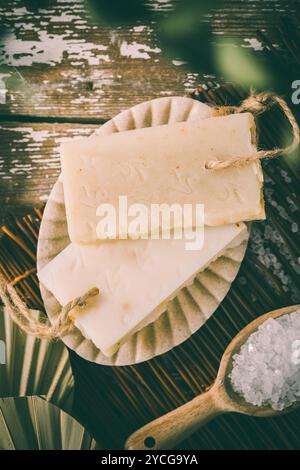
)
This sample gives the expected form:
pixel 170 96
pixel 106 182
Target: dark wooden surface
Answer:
pixel 65 76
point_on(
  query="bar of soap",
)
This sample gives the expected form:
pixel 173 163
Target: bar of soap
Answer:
pixel 163 165
pixel 136 279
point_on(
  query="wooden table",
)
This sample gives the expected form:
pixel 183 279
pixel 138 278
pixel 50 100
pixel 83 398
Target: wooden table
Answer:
pixel 65 75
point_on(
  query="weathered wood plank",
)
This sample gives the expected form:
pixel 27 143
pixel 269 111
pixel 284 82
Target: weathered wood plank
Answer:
pixel 30 165
pixel 29 162
pixel 114 401
pixel 58 62
pixel 77 86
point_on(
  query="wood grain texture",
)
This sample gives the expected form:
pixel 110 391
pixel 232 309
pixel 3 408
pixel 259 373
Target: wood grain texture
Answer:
pixel 66 65
pixel 172 428
pixel 86 89
pixel 268 279
pixel 30 162
pixel 113 402
pixel 59 62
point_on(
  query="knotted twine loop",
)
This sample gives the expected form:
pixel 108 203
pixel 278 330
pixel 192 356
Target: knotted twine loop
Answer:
pixel 27 320
pixel 257 104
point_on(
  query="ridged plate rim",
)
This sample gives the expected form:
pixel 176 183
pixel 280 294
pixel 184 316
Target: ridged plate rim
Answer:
pixel 193 306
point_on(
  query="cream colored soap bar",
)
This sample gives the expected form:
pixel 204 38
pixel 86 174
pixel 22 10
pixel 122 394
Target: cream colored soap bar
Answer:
pixel 136 279
pixel 163 164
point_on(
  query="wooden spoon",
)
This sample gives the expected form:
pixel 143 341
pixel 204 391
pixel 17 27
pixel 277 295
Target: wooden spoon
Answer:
pixel 172 428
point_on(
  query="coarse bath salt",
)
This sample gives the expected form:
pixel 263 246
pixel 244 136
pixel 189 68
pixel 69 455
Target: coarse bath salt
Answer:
pixel 266 371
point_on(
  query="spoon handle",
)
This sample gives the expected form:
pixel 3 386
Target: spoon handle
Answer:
pixel 172 428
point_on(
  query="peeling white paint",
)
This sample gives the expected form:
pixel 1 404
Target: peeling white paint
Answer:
pixel 20 11
pixel 177 62
pixel 25 26
pixel 49 49
pixel 36 136
pixel 141 29
pixel 135 50
pixel 27 145
pixel 161 5
pixel 254 44
pixel 64 18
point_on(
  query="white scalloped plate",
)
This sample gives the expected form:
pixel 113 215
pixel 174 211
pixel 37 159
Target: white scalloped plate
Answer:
pixel 194 304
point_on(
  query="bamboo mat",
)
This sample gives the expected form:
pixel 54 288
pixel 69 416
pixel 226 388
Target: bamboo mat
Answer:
pixel 112 402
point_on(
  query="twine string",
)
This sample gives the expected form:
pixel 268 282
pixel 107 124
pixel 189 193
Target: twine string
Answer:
pixel 257 104
pixel 27 320
pixel 42 329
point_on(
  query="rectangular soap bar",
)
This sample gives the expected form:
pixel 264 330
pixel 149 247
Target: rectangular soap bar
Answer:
pixel 136 279
pixel 163 165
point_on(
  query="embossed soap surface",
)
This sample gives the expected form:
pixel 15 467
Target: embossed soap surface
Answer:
pixel 266 371
pixel 136 279
pixel 164 164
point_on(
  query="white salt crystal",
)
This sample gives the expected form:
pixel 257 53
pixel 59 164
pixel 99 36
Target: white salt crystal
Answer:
pixel 266 371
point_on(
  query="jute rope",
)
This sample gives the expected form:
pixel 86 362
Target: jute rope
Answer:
pixel 257 104
pixel 27 320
